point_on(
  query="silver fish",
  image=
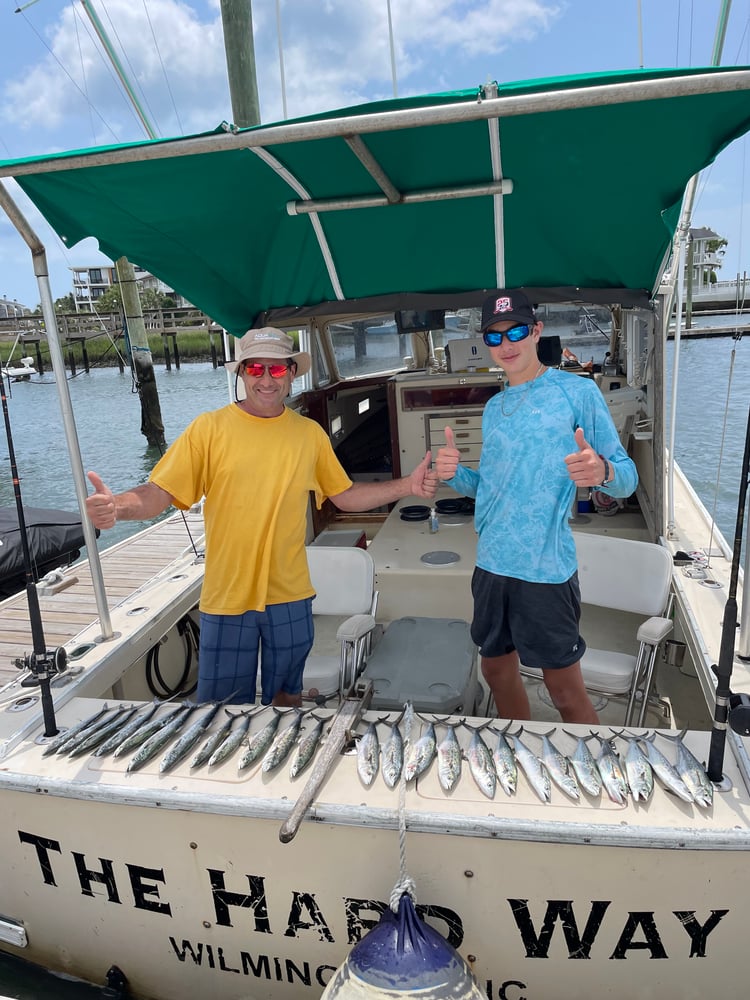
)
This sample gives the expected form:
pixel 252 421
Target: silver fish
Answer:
pixel 225 749
pixel 104 731
pixel 127 730
pixel 449 759
pixel 611 772
pixel 282 745
pixel 665 772
pixel 368 754
pixel 505 763
pixel 187 741
pixel 638 770
pixel 147 731
pixel 307 746
pixel 558 767
pixel 532 767
pixel 421 754
pixel 213 742
pixel 160 738
pixel 260 742
pixel 583 763
pixel 481 764
pixel 70 735
pixel 392 761
pixel 692 772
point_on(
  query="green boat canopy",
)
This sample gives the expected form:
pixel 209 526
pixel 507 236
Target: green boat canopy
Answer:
pixel 572 186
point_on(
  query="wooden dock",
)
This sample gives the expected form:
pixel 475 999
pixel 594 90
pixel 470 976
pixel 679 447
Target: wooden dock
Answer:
pixel 126 567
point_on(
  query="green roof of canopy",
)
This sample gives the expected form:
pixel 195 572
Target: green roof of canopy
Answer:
pixel 598 165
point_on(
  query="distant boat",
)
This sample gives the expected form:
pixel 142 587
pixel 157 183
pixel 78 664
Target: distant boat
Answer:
pixel 20 372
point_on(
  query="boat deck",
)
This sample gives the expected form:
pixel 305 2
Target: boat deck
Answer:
pixel 126 567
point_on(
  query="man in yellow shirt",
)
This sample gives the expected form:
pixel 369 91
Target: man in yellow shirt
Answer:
pixel 255 461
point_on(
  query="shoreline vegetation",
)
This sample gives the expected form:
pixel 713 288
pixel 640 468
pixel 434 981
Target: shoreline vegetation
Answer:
pixel 101 351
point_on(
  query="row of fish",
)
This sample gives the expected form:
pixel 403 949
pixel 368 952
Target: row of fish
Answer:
pixel 499 761
pixel 145 732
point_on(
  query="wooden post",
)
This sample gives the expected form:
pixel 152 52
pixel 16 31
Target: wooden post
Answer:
pixel 237 22
pixel 165 345
pixel 143 364
pixel 84 355
pixel 39 365
pixel 176 351
pixel 212 348
pixel 71 357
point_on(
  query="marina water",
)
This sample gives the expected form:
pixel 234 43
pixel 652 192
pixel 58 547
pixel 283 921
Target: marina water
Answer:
pixel 712 417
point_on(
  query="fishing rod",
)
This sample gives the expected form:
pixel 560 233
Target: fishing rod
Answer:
pixel 43 663
pixel 728 707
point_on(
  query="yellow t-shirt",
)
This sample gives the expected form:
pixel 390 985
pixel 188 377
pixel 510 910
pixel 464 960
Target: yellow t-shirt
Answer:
pixel 255 473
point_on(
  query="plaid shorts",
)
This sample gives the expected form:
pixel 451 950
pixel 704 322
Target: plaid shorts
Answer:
pixel 229 645
pixel 538 620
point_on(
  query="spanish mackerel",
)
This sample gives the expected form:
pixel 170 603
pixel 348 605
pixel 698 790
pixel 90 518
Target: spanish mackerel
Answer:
pixel 392 761
pixel 481 764
pixel 368 754
pixel 665 772
pixel 307 746
pixel 261 741
pixel 692 772
pixel 532 767
pixel 583 763
pixel 161 737
pixel 421 754
pixel 639 772
pixel 187 741
pixel 233 739
pixel 558 767
pixel 449 759
pixel 69 734
pixel 282 745
pixel 505 762
pixel 611 772
pixel 122 715
pixel 127 730
pixel 213 741
pixel 146 732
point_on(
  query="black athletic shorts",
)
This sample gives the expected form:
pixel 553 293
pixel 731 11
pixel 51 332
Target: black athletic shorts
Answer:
pixel 538 620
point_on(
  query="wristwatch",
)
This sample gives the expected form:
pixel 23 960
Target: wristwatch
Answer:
pixel 608 477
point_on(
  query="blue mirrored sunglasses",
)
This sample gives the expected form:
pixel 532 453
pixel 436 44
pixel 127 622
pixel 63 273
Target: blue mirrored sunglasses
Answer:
pixel 494 338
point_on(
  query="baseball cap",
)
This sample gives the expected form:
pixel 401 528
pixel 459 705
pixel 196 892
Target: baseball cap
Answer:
pixel 268 342
pixel 507 304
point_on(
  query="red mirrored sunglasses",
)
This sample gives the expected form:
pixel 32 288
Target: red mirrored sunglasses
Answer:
pixel 257 370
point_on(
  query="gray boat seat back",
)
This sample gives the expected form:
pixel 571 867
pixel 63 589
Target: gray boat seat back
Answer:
pixel 431 662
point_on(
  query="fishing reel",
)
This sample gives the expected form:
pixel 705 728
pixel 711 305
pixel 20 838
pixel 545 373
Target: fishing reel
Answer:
pixel 739 714
pixel 42 666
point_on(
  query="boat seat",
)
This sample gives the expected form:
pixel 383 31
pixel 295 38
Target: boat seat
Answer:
pixel 624 575
pixel 344 610
pixel 431 662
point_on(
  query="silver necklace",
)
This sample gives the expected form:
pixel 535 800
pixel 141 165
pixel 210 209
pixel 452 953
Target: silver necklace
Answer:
pixel 523 396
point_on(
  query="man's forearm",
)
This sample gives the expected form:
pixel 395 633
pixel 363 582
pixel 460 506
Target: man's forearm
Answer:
pixel 365 496
pixel 141 503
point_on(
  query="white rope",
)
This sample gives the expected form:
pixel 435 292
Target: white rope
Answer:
pixel 405 882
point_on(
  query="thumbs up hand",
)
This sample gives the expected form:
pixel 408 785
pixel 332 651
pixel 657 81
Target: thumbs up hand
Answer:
pixel 585 466
pixel 100 506
pixel 448 458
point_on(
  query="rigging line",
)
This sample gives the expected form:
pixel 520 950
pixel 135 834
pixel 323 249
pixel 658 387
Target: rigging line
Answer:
pixel 133 74
pixel 62 67
pixel 83 72
pixel 164 70
pixel 281 59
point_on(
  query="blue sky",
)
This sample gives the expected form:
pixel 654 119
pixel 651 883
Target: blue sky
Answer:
pixel 58 90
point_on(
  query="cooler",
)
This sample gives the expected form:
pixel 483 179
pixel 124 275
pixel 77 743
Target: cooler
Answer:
pixel 431 662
